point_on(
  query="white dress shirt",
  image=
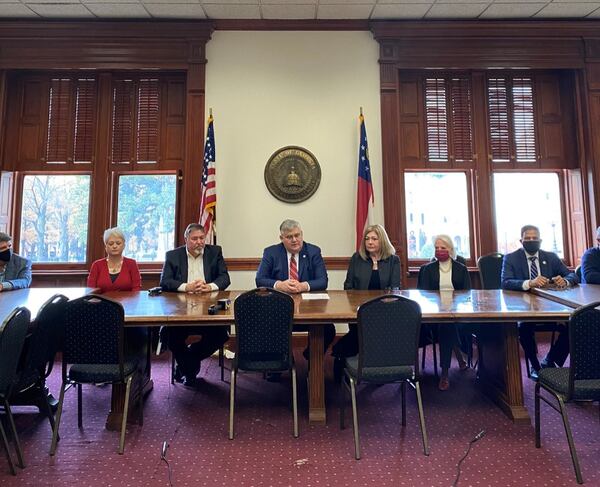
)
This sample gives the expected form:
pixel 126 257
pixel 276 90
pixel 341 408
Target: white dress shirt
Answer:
pixel 195 271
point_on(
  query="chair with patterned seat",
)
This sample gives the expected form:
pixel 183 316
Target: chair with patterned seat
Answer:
pixel 263 327
pixel 579 381
pixel 388 339
pixel 12 338
pixel 94 352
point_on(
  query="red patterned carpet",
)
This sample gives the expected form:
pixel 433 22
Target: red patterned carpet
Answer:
pixel 264 452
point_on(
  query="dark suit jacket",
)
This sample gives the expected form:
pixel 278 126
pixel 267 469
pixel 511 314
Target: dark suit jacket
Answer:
pixel 515 269
pixel 429 277
pixel 360 270
pixel 590 266
pixel 175 270
pixel 17 274
pixel 274 267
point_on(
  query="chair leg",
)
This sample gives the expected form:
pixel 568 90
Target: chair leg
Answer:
pixel 538 426
pixel 403 391
pixel 343 387
pixel 435 361
pixel 11 422
pixel 172 368
pixel 7 449
pixel 422 419
pixel 125 412
pixel 61 401
pixel 232 385
pixel 355 419
pixel 295 400
pixel 141 399
pixel 565 418
pixel 79 406
pixel 47 409
pixel 423 357
pixel 222 362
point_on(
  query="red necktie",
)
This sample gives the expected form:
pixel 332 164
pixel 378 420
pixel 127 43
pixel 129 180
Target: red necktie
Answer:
pixel 293 268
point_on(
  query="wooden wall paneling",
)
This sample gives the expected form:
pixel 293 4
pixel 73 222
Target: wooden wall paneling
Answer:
pixel 194 147
pixel 3 111
pixel 104 215
pixel 594 134
pixel 412 138
pixel 33 99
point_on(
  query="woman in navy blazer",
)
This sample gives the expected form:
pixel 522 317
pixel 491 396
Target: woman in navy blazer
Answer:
pixel 374 266
pixel 445 274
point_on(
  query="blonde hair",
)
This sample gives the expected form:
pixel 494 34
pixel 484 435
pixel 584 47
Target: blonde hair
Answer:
pixel 449 243
pixel 387 249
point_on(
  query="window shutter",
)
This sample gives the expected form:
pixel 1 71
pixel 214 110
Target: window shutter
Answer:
pixel 85 120
pixel 437 119
pixel 147 121
pixel 498 119
pixel 57 146
pixel 122 123
pixel 462 132
pixel 523 120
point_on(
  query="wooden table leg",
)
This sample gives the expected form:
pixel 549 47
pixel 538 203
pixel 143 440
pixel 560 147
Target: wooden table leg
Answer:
pixel 500 368
pixel 316 377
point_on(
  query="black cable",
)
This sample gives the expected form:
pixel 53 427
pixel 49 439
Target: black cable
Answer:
pixel 477 437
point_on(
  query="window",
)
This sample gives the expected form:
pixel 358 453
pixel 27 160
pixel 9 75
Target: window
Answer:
pixel 54 218
pixel 449 119
pixel 427 216
pixel 511 121
pixel 528 198
pixel 146 214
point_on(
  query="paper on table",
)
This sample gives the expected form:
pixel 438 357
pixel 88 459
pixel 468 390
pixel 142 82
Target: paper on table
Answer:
pixel 315 296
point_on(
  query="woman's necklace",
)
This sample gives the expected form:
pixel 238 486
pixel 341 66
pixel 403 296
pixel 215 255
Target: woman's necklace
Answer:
pixel 114 268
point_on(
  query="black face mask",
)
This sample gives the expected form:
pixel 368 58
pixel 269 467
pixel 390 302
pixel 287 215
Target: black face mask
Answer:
pixel 5 255
pixel 532 246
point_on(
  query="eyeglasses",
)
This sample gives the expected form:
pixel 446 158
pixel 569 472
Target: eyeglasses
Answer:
pixel 293 236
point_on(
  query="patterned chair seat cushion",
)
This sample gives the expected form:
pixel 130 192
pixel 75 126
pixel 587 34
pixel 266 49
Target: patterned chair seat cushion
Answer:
pixel 264 362
pixel 92 373
pixel 379 374
pixel 558 380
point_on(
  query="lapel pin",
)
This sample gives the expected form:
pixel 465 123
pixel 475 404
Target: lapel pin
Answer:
pixel 544 262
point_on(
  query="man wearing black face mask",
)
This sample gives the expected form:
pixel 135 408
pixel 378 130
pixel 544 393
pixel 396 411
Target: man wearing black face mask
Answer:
pixel 528 268
pixel 590 263
pixel 15 271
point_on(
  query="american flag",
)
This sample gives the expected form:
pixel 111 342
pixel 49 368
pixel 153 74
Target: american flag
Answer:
pixel 208 201
pixel 364 192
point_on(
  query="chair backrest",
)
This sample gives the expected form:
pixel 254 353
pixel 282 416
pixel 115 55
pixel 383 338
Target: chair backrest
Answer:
pixel 578 272
pixel 263 327
pixel 388 333
pixel 12 337
pixel 93 331
pixel 490 270
pixel 47 335
pixel 584 344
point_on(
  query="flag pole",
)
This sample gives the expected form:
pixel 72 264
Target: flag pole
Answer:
pixel 361 111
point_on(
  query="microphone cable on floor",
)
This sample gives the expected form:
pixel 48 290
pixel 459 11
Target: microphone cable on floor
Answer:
pixel 477 437
pixel 163 457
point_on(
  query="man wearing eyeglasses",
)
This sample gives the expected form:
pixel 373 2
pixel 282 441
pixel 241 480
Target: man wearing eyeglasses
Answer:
pixel 530 267
pixel 590 263
pixel 294 266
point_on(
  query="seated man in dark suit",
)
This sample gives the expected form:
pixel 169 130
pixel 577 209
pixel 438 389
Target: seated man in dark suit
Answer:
pixel 590 263
pixel 528 268
pixel 15 271
pixel 294 266
pixel 194 268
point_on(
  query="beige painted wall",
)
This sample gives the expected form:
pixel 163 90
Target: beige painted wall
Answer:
pixel 273 89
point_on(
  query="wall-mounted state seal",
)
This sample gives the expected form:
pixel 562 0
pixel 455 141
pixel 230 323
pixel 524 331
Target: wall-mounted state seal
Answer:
pixel 292 174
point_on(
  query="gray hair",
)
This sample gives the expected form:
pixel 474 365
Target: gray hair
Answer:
pixel 597 233
pixel 5 237
pixel 287 225
pixel 116 231
pixel 449 243
pixel 192 227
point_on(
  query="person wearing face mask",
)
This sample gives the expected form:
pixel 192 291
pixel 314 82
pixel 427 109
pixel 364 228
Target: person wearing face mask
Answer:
pixel 115 272
pixel 530 267
pixel 590 263
pixel 445 274
pixel 15 271
pixel 194 268
pixel 374 266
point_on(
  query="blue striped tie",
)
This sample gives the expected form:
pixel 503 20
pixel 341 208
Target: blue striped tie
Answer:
pixel 534 269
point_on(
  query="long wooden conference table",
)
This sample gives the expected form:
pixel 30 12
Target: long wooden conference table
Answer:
pixel 495 311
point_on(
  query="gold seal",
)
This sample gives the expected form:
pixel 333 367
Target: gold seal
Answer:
pixel 292 174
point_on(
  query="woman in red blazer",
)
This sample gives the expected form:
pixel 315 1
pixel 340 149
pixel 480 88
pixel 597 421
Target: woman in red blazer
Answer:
pixel 115 272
